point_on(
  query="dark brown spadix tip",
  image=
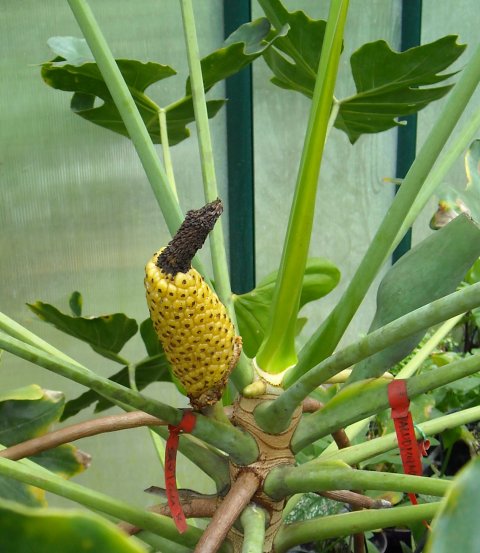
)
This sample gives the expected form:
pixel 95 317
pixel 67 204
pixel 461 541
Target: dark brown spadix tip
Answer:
pixel 190 237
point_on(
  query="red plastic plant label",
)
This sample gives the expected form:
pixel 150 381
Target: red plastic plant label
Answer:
pixel 187 424
pixel 410 451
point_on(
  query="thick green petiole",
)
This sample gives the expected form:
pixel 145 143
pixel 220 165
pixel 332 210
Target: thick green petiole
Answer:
pixel 243 373
pixel 217 243
pixel 367 397
pixel 362 452
pixel 324 341
pixel 277 352
pixel 274 416
pixel 407 371
pixel 322 528
pixel 99 502
pixel 126 106
pixel 317 476
pixel 239 445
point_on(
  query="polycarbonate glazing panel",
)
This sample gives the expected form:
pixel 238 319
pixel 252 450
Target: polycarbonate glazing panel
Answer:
pixel 352 197
pixel 77 212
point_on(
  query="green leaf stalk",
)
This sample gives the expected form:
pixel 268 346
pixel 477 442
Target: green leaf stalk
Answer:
pixel 354 430
pixel 243 374
pixel 126 106
pixel 362 452
pixel 239 445
pixel 274 416
pixel 277 352
pixel 370 396
pixel 324 341
pixel 323 528
pixel 321 476
pixel 100 502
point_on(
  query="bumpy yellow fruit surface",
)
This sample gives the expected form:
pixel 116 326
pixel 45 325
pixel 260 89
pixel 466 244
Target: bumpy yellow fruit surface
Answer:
pixel 195 330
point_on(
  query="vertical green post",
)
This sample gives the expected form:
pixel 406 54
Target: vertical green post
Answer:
pixel 407 134
pixel 240 161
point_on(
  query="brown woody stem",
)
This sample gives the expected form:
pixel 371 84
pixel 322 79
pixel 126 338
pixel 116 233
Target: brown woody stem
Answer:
pixel 356 499
pixel 53 439
pixel 197 507
pixel 236 500
pixel 189 238
pixel 310 405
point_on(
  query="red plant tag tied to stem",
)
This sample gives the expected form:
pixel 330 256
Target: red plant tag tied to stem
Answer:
pixel 187 424
pixel 410 450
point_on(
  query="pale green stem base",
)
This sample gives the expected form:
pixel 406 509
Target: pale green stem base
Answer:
pixel 253 521
pixel 317 476
pixel 277 351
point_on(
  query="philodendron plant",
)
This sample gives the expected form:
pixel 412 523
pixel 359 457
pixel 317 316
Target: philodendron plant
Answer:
pixel 267 442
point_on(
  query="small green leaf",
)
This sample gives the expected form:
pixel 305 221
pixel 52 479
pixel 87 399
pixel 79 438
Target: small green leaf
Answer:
pixel 294 58
pixel 92 99
pixel 72 71
pixel 454 201
pixel 252 308
pixel 456 528
pixel 429 271
pixel 29 413
pixel 444 358
pixel 73 50
pixel 65 460
pixel 243 46
pixel 75 302
pixel 22 419
pixel 150 338
pixel 388 84
pixel 25 494
pixel 106 334
pixel 26 392
pixel 473 274
pixel 23 529
pixel 179 115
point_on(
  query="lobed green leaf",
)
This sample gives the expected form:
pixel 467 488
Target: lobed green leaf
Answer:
pixel 242 47
pixel 27 413
pixel 294 58
pixel 106 334
pixel 73 70
pixel 388 84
